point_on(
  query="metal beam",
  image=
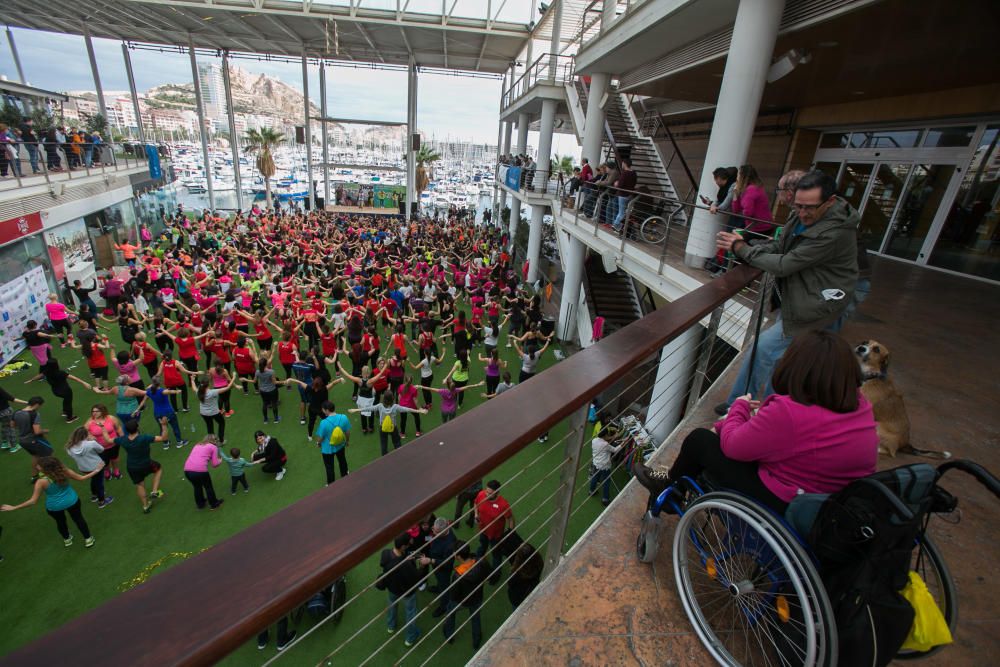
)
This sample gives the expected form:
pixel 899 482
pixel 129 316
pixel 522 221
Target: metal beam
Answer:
pixel 17 58
pixel 364 33
pixel 101 106
pixel 201 123
pixel 285 29
pixel 214 29
pixel 444 40
pixel 308 128
pixel 132 91
pixel 323 133
pixel 234 142
pixel 406 41
pixel 486 38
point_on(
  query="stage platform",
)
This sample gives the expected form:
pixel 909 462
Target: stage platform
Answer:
pixel 363 210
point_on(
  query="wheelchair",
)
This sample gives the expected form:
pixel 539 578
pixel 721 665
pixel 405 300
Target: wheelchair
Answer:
pixel 751 585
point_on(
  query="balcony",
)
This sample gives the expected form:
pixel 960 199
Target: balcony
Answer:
pixel 106 159
pixel 545 78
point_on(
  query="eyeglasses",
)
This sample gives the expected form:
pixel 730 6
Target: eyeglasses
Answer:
pixel 806 207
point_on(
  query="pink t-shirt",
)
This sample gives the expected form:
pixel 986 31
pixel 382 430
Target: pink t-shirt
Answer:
pixel 408 396
pixel 56 311
pixel 201 455
pixel 801 447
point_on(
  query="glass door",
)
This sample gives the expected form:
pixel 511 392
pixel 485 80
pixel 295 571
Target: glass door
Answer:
pixel 854 180
pixel 919 207
pixel 884 193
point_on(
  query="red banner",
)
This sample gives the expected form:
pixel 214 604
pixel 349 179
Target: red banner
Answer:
pixel 15 228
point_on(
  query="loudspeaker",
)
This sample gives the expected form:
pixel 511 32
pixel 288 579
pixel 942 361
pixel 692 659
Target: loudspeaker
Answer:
pixel 402 206
pixel 300 134
pixel 415 141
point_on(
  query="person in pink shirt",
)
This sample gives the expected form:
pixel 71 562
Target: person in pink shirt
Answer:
pixel 750 200
pixel 58 315
pixel 815 434
pixel 202 455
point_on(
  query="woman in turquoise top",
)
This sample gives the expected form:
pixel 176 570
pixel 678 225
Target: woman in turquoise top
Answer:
pixel 127 403
pixel 60 497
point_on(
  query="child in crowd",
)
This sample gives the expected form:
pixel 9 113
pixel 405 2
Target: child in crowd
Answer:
pixel 237 469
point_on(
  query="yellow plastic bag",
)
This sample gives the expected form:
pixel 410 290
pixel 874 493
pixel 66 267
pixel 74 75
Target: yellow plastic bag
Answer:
pixel 929 627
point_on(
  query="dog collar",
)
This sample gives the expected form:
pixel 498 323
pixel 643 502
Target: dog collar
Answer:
pixel 873 376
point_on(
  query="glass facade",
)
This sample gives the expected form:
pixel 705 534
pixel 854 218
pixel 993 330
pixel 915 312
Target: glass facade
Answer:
pixel 153 205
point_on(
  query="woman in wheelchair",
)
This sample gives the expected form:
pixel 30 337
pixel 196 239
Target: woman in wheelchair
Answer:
pixel 814 435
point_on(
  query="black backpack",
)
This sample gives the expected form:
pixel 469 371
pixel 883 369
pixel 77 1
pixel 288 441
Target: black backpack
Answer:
pixel 864 537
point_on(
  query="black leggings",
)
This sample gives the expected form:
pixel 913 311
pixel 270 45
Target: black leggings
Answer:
pixel 184 397
pixel 341 457
pixel 67 402
pixel 212 420
pixel 428 394
pixel 402 421
pixel 313 418
pixel 76 514
pixel 270 400
pixel 225 401
pixel 491 383
pixel 460 384
pixel 701 452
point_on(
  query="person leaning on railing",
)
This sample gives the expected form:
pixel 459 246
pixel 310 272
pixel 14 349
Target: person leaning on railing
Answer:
pixel 815 266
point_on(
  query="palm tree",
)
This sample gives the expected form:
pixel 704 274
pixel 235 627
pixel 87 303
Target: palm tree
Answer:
pixel 561 165
pixel 262 142
pixel 425 154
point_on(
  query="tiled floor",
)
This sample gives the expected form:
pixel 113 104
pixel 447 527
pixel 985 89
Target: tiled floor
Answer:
pixel 603 607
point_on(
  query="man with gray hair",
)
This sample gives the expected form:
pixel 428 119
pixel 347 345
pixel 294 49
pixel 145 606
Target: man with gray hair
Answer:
pixel 786 186
pixel 441 551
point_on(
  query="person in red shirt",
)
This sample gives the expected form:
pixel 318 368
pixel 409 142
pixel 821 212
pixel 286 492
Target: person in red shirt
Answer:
pixel 494 519
pixel 245 360
pixel 288 353
pixel 145 353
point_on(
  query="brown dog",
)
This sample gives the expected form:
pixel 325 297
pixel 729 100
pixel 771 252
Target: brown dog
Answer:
pixel 892 422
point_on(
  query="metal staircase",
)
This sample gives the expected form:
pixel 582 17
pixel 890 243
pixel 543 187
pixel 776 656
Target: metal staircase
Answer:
pixel 623 138
pixel 610 295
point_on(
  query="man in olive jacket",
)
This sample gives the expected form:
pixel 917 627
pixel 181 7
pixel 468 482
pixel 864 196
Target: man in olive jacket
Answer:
pixel 815 266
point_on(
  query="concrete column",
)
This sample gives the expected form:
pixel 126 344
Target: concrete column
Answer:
pixel 131 88
pixel 574 252
pixel 323 133
pixel 523 120
pixel 554 45
pixel 17 58
pixel 308 131
pixel 507 129
pixel 545 128
pixel 101 106
pixel 608 12
pixel 736 110
pixel 593 125
pixel 673 376
pixel 201 121
pixel 411 128
pixel 535 242
pixel 515 217
pixel 234 140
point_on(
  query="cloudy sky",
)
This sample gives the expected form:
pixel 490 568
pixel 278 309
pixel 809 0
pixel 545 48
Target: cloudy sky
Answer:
pixel 455 106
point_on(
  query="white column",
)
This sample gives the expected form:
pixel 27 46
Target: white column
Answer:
pixel 17 58
pixel 673 377
pixel 522 133
pixel 234 140
pixel 515 218
pixel 608 12
pixel 411 128
pixel 593 124
pixel 308 131
pixel 101 106
pixel 545 128
pixel 201 123
pixel 572 281
pixel 535 242
pixel 323 133
pixel 736 110
pixel 507 129
pixel 554 45
pixel 135 96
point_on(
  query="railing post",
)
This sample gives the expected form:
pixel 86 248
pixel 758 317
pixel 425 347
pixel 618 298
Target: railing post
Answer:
pixel 758 308
pixel 624 230
pixel 706 354
pixel 567 482
pixel 666 241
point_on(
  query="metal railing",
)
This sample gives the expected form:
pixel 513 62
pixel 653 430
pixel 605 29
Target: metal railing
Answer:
pixel 48 162
pixel 661 361
pixel 652 124
pixel 549 68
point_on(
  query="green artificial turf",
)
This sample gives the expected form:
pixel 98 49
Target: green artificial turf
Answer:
pixel 44 584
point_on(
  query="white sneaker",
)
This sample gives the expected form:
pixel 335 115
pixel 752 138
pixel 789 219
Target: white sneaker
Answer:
pixel 280 475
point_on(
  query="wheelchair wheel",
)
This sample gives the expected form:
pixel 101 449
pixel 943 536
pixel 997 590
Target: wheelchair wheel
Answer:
pixel 648 541
pixel 928 562
pixel 653 230
pixel 748 586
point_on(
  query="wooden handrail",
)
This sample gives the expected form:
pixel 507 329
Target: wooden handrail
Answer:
pixel 199 611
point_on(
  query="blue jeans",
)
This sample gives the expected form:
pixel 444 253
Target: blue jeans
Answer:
pixel 599 477
pixel 610 209
pixel 33 157
pixel 620 216
pixel 174 424
pixel 474 621
pixel 771 345
pixel 862 289
pixel 409 609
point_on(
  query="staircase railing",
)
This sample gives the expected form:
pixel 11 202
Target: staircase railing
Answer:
pixel 651 124
pixel 548 68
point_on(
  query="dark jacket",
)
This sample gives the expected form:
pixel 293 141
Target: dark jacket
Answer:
pixel 273 452
pixel 399 580
pixel 824 256
pixel 442 547
pixel 467 589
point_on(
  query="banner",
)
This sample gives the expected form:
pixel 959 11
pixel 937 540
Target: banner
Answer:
pixel 513 179
pixel 389 196
pixel 21 299
pixel 155 172
pixel 502 174
pixel 15 228
pixel 69 250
